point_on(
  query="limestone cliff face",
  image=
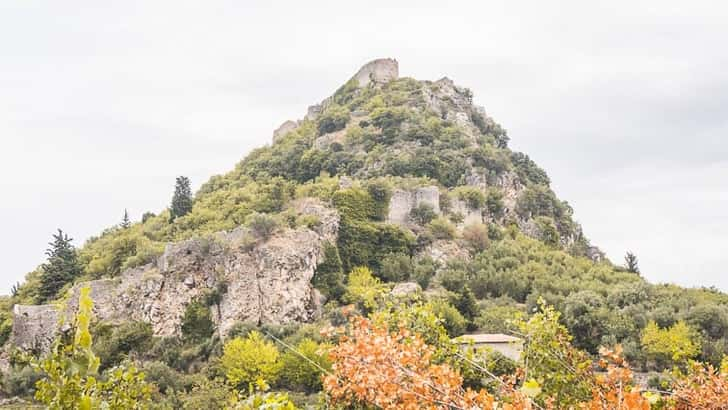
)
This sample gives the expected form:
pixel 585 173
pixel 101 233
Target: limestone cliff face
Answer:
pixel 267 282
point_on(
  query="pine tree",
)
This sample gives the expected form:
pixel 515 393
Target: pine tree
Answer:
pixel 62 266
pixel 125 222
pixel 630 262
pixel 466 303
pixel 182 199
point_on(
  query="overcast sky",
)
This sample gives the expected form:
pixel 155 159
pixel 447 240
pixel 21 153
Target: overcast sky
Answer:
pixel 625 105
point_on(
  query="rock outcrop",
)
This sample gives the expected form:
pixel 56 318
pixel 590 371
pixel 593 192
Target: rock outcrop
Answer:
pixel 266 282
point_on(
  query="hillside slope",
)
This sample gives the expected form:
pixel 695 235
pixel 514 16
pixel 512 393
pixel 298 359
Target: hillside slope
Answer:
pixel 407 177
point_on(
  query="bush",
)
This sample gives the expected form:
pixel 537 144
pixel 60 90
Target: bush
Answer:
pixel 494 202
pixel 364 289
pixel 197 324
pixel 167 379
pixel 362 242
pixel 476 237
pixel 497 319
pixel 381 192
pixel 676 344
pixel 262 225
pixel 423 214
pixel 300 374
pixel 547 231
pixel 528 171
pixel 441 228
pixel 246 360
pixel 115 343
pixel 452 320
pixel 498 364
pixel 473 197
pixel 167 350
pixel 329 275
pixel 424 271
pixel 20 381
pixel 333 119
pixel 206 394
pixel 396 267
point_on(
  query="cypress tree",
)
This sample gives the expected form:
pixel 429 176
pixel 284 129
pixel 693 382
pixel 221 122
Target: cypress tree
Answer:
pixel 125 222
pixel 329 275
pixel 182 199
pixel 61 267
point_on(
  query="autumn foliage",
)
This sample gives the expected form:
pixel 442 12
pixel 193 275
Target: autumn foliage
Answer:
pixel 394 371
pixel 375 366
pixel 703 388
pixel 614 390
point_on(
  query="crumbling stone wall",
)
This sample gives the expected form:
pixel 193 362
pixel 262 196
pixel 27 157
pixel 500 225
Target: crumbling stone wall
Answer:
pixel 403 201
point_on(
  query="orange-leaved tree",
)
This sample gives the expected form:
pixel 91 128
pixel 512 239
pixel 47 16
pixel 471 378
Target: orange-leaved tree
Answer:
pixel 615 390
pixel 393 370
pixel 702 388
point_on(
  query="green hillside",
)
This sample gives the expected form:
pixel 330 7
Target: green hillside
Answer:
pixel 363 145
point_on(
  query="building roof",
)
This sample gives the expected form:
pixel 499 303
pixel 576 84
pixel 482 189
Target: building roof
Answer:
pixel 487 338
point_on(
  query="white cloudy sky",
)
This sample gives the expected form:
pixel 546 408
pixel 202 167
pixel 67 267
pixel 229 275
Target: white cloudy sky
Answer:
pixel 625 104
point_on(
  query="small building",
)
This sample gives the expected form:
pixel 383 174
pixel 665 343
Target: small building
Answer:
pixel 509 346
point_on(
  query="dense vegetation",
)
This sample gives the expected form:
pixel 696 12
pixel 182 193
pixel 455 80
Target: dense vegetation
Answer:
pixel 366 143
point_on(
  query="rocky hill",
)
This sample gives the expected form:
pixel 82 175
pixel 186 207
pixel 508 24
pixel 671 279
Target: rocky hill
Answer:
pixel 426 142
pixel 409 178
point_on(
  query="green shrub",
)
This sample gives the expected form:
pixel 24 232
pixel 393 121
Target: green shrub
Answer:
pixel 452 320
pixel 20 381
pixel 390 120
pixel 528 171
pixel 396 267
pixel 197 324
pixel 364 290
pixel 329 275
pixel 498 364
pixel 167 350
pixel 262 225
pixel 116 342
pixel 333 119
pixel 494 202
pixel 380 192
pixel 312 222
pixel 495 233
pixel 422 214
pixel 299 373
pixel 362 242
pixel 441 228
pixel 206 394
pixel 497 317
pixel 6 326
pixel 424 271
pixel 167 379
pixel 547 231
pixel 465 302
pixel 246 360
pixel 473 197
